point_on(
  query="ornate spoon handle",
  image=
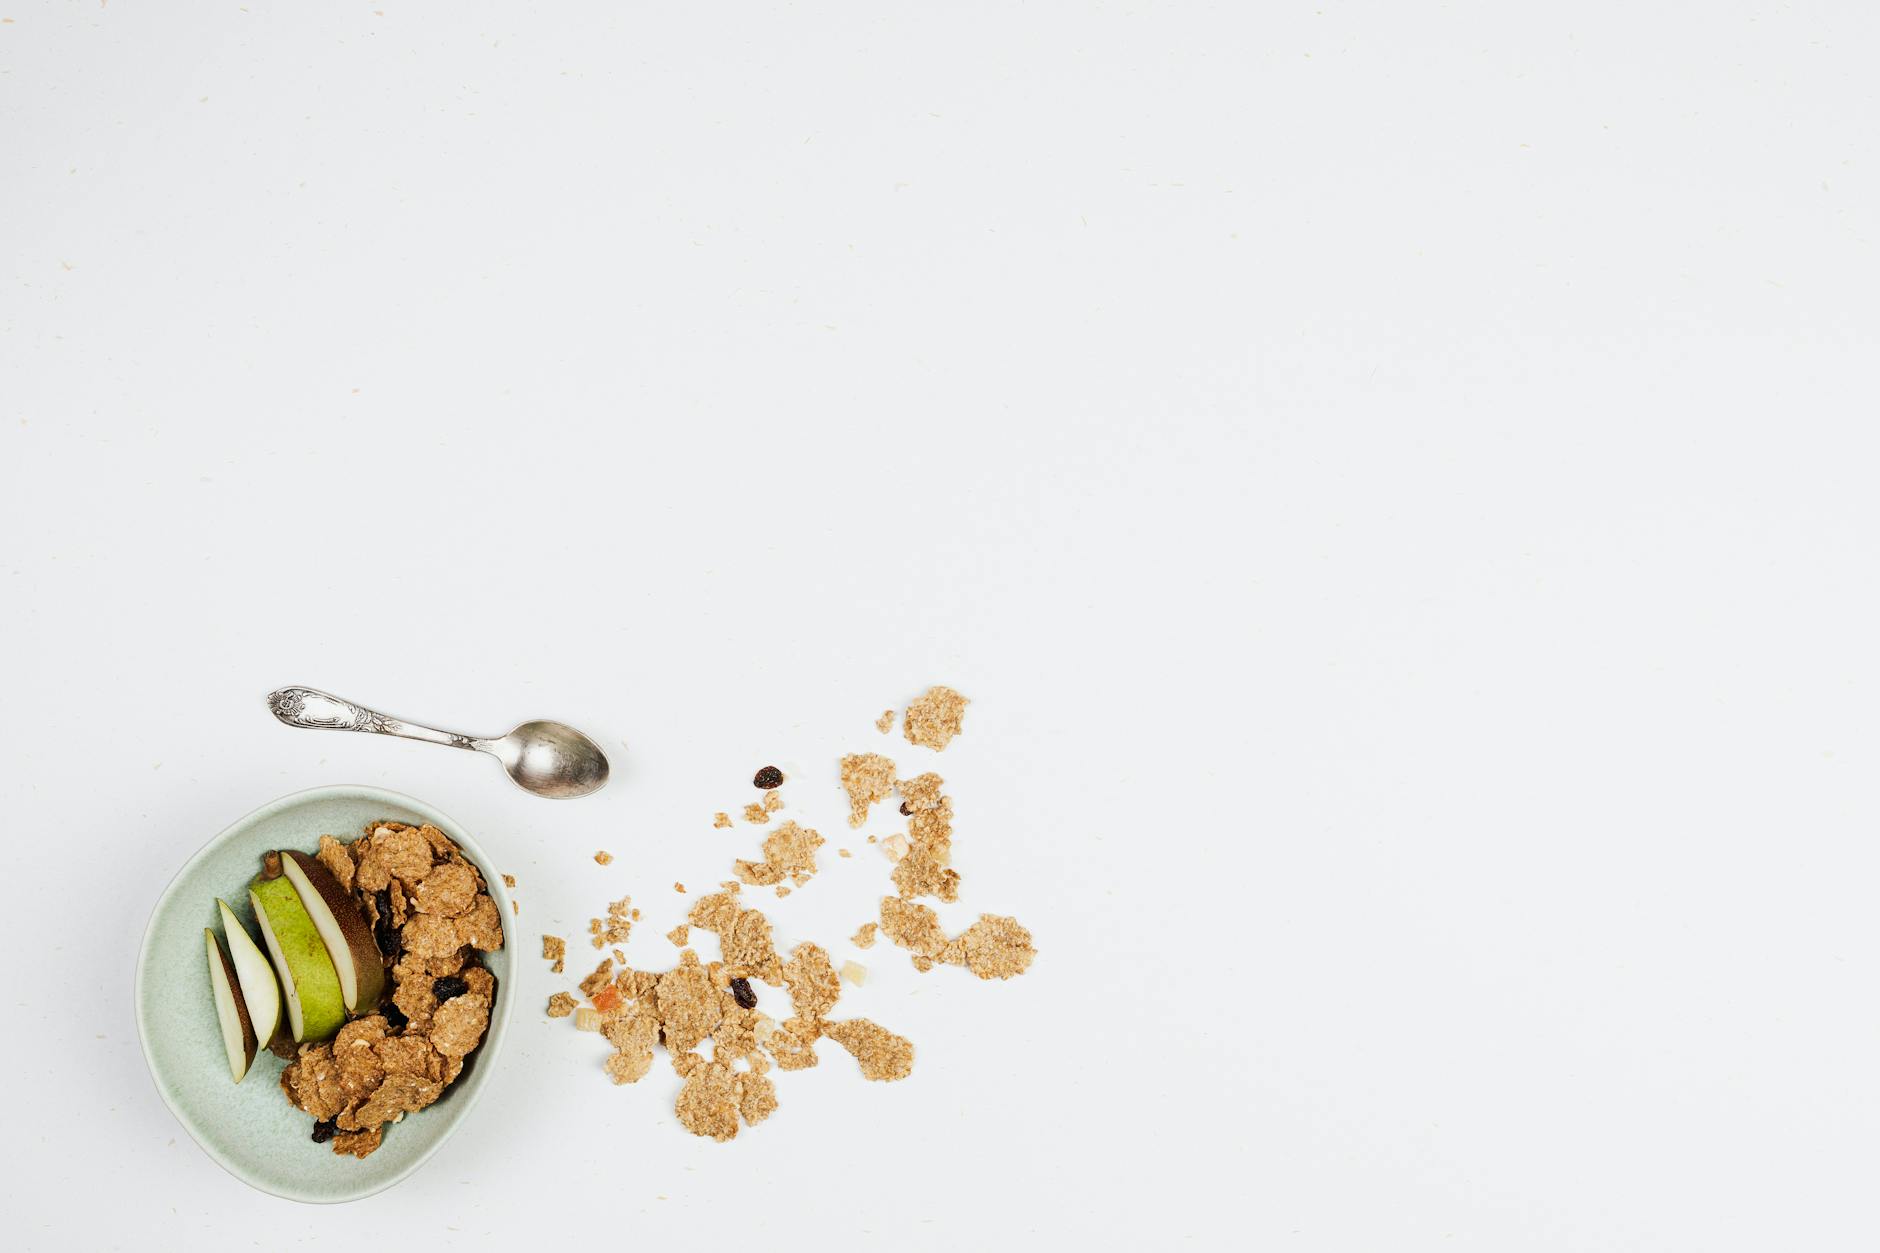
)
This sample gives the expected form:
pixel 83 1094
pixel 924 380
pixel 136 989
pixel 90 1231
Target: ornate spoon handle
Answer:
pixel 317 710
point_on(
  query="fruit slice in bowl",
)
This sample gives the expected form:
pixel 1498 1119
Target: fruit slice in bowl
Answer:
pixel 250 1128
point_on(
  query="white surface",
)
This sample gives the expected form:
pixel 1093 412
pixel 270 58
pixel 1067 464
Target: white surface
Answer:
pixel 1396 481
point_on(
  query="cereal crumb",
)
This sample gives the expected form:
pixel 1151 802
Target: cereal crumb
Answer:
pixel 680 935
pixel 934 718
pixel 509 881
pixel 678 887
pixel 842 852
pixel 773 801
pixel 867 778
pixel 603 857
pixel 756 814
pixel 864 938
pixel 561 1005
pixel 885 721
pixel 721 819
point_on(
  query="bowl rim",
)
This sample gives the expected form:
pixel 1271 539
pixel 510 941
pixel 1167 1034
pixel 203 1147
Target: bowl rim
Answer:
pixel 493 1035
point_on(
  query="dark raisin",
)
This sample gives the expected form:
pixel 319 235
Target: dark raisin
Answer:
pixel 323 1131
pixel 447 987
pixel 395 1019
pixel 767 778
pixel 383 932
pixel 905 809
pixel 741 992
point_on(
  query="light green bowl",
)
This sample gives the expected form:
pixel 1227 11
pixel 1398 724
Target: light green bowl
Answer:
pixel 249 1128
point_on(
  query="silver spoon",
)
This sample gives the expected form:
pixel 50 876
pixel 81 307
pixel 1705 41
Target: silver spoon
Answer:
pixel 547 758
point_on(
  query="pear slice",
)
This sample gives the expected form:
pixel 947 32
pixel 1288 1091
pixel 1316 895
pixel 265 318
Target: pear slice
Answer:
pixel 315 1006
pixel 261 993
pixel 238 1033
pixel 343 929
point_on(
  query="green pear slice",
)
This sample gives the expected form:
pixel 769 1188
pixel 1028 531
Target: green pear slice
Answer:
pixel 238 1033
pixel 261 992
pixel 309 984
pixel 342 928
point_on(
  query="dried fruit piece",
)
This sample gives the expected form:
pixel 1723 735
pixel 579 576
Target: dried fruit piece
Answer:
pixel 742 993
pixel 586 1019
pixel 767 778
pixel 448 987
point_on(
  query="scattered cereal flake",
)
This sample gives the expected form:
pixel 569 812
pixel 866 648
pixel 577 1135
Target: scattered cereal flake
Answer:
pixel 814 986
pixel 995 947
pixel 934 718
pixel 773 801
pixel 680 935
pixel 687 1003
pixel 923 963
pixel 554 948
pixel 721 819
pixel 586 1019
pixel 509 881
pixel 855 973
pixel 924 872
pixel 633 1035
pixel 708 1103
pixel 678 887
pixel 793 1044
pixel 883 1055
pixel 867 778
pixel 603 857
pixel 757 1096
pixel 603 975
pixel 789 850
pixel 782 891
pixel 864 938
pixel 756 813
pixel 560 1005
pixel 913 927
pixel 885 721
pixel 843 852
pixel 515 907
pixel 921 792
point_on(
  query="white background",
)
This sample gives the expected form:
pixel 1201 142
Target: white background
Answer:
pixel 1395 479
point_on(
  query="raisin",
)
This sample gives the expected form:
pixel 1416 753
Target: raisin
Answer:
pixel 395 1019
pixel 767 778
pixel 905 809
pixel 741 992
pixel 447 987
pixel 323 1131
pixel 383 932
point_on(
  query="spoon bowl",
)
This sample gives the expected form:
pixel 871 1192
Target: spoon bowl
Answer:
pixel 550 759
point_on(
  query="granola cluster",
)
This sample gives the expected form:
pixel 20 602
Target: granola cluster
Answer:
pixel 432 916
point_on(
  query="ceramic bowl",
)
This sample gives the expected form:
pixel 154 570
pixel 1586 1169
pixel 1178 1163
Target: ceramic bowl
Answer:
pixel 249 1128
